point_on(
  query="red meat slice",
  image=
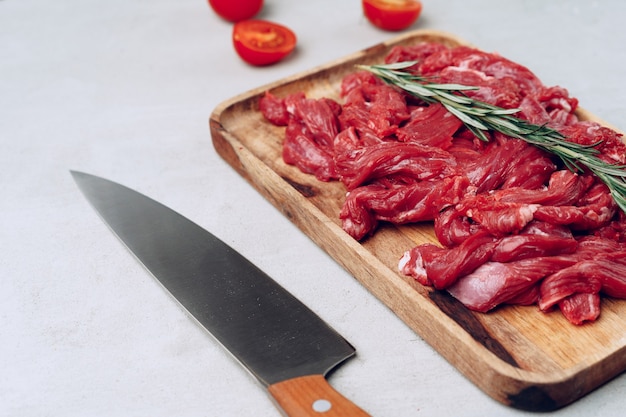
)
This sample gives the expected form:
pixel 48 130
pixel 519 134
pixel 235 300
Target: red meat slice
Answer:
pixel 355 81
pixel 596 209
pixel 615 230
pixel 509 210
pixel 525 297
pixel 609 143
pixel 432 125
pixel 358 166
pixel 532 110
pixel 399 203
pixel 495 283
pixel 417 52
pixel 530 169
pixel 502 219
pixel 521 281
pixel 496 163
pixel 273 109
pixel 537 239
pixel 505 163
pixel 491 65
pixel 442 267
pixel 501 68
pixel 466 148
pixel 606 273
pixel 378 108
pixel 301 149
pixel 578 278
pixel 503 92
pixel 319 116
pixel 498 217
pixel 580 308
pixel 564 188
pixel 559 106
pixel 435 62
pixel 348 140
pixel 452 227
pixel 614 275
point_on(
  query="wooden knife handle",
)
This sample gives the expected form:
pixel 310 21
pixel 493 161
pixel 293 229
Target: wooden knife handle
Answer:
pixel 312 396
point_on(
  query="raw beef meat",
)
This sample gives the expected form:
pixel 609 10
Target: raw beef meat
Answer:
pixel 537 239
pixel 496 167
pixel 274 109
pixel 581 307
pixel 301 149
pixel 495 283
pixel 514 226
pixel 318 116
pixel 592 211
pixel 606 272
pixel 517 279
pixel 609 143
pixel 442 267
pixel 371 105
pixel 360 166
pixel 431 126
pixel 398 202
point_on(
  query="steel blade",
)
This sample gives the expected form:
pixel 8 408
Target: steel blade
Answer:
pixel 267 329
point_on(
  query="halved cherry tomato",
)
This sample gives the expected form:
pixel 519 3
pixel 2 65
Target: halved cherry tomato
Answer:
pixel 236 10
pixel 259 42
pixel 392 14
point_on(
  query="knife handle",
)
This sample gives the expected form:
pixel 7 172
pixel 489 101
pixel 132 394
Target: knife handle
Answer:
pixel 312 396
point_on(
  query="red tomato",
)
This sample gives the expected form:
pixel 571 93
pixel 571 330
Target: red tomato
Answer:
pixel 259 42
pixel 236 10
pixel 392 14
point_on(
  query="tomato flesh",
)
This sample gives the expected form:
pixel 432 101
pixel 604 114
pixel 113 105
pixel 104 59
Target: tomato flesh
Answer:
pixel 259 42
pixel 236 10
pixel 392 15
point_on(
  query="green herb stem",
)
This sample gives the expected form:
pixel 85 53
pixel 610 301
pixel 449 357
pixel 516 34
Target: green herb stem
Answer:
pixel 480 117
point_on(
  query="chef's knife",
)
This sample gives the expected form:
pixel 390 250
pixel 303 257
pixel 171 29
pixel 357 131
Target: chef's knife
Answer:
pixel 279 340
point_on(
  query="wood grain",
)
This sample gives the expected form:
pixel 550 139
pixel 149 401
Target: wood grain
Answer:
pixel 312 396
pixel 518 355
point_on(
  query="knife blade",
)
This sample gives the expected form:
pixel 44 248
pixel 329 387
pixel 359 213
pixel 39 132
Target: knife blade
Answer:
pixel 284 344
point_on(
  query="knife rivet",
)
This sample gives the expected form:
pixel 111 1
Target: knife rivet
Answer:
pixel 321 406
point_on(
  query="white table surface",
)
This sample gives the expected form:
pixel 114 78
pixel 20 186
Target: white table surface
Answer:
pixel 124 89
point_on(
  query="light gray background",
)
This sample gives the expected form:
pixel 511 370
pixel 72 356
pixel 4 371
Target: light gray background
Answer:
pixel 123 89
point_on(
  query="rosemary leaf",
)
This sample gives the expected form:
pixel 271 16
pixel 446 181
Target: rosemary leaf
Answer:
pixel 465 118
pixel 452 87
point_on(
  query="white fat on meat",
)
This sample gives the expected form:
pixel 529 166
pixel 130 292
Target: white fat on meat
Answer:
pixel 412 266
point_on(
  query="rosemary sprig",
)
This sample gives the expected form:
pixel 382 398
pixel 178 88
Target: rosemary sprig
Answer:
pixel 480 117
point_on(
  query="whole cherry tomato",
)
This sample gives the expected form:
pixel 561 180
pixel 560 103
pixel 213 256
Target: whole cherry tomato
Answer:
pixel 392 14
pixel 259 42
pixel 236 10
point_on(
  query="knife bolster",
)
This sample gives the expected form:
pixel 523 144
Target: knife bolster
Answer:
pixel 312 395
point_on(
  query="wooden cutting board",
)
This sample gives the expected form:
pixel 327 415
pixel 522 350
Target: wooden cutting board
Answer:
pixel 518 355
